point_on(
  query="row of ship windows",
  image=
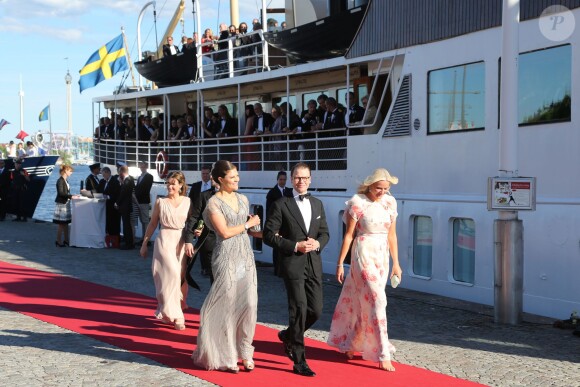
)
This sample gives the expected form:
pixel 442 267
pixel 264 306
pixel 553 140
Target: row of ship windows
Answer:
pixel 456 95
pixel 422 249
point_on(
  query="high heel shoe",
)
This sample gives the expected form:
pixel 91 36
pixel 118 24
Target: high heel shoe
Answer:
pixel 248 365
pixel 349 355
pixel 58 244
pixel 65 243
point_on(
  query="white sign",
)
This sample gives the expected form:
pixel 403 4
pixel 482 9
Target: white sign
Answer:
pixel 511 193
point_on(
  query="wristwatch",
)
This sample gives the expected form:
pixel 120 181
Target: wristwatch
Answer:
pixel 246 226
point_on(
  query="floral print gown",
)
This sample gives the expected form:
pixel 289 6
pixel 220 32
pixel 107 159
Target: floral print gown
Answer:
pixel 359 322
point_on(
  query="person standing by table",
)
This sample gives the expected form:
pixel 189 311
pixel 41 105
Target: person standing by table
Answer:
pixel 92 180
pixel 62 211
pixel 359 322
pixel 109 187
pixel 142 197
pixel 124 204
pixel 169 251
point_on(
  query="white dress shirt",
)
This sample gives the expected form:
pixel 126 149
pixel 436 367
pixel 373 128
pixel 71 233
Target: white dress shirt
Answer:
pixel 305 209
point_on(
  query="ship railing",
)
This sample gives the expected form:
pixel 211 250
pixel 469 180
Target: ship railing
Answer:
pixel 322 150
pixel 244 54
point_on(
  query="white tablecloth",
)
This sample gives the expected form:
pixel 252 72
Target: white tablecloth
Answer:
pixel 88 223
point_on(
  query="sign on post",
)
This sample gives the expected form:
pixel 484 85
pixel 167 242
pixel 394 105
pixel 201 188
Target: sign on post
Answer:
pixel 511 193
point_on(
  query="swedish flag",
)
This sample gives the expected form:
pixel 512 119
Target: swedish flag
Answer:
pixel 43 116
pixel 104 63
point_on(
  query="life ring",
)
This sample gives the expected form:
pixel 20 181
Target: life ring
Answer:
pixel 162 164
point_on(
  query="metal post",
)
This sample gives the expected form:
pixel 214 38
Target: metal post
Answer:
pixel 140 57
pixel 509 269
pixel 508 290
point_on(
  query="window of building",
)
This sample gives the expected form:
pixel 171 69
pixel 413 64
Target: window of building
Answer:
pixel 544 86
pixel 277 101
pixel 422 246
pixel 456 98
pixel 312 95
pixel 464 250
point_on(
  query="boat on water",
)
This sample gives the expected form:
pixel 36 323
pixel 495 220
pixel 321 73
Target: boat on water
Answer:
pixel 39 169
pixel 431 71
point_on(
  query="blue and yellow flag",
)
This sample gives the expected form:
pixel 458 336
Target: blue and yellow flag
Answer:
pixel 43 116
pixel 104 63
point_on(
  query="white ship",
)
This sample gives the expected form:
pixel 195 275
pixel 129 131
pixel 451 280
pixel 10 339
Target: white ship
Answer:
pixel 433 70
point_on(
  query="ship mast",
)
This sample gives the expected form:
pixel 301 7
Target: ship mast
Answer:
pixel 21 95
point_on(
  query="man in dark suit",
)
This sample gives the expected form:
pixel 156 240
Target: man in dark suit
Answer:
pixel 297 228
pixel 142 195
pixel 170 48
pixel 279 190
pixel 195 194
pixel 92 180
pixel 124 205
pixel 262 121
pixel 205 237
pixel 4 188
pixel 354 113
pixel 109 187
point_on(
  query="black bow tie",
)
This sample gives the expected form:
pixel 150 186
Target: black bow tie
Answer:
pixel 301 197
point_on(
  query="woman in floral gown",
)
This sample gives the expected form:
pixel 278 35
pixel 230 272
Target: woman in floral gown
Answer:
pixel 169 252
pixel 359 322
pixel 229 313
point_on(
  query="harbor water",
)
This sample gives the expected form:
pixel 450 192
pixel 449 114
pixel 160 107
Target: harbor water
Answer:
pixel 45 208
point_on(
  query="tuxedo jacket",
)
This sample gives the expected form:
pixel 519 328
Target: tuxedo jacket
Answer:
pixel 195 192
pixel 267 121
pixel 124 200
pixel 167 50
pixel 111 190
pixel 143 189
pixel 275 194
pixel 195 215
pixel 285 227
pixel 355 114
pixel 230 127
pixel 92 183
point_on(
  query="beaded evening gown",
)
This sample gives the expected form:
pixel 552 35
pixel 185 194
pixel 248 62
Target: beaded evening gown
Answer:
pixel 359 322
pixel 228 315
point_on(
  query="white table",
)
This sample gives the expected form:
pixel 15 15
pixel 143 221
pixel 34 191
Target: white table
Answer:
pixel 88 223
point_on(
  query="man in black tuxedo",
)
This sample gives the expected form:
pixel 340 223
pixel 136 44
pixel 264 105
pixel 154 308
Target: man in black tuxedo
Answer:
pixel 170 48
pixel 354 113
pixel 195 193
pixel 4 188
pixel 109 187
pixel 297 228
pixel 142 195
pixel 262 121
pixel 205 237
pixel 92 180
pixel 124 205
pixel 279 190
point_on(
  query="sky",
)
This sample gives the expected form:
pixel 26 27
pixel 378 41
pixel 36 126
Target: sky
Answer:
pixel 36 37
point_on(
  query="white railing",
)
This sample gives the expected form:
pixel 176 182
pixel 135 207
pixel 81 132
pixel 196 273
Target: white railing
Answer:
pixel 244 53
pixel 322 150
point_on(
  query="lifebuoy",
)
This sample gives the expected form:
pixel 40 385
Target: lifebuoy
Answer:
pixel 162 164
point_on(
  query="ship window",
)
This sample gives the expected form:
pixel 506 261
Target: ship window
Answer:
pixel 464 250
pixel 341 96
pixel 280 100
pixel 545 95
pixel 456 98
pixel 313 95
pixel 422 245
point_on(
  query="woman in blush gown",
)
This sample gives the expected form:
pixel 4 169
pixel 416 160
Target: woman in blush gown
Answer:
pixel 168 254
pixel 228 315
pixel 359 322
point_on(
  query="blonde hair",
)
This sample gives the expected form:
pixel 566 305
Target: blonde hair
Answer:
pixel 65 168
pixel 379 174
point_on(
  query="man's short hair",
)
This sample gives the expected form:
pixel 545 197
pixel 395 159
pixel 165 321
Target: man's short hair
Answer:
pixel 281 173
pixel 124 169
pixel 300 166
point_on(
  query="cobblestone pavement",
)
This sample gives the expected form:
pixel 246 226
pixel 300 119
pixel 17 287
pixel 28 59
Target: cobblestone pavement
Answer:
pixel 440 334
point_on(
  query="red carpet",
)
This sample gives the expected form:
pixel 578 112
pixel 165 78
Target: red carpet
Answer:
pixel 126 320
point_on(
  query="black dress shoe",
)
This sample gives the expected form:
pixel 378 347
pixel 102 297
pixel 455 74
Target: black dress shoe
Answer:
pixel 303 369
pixel 127 248
pixel 287 345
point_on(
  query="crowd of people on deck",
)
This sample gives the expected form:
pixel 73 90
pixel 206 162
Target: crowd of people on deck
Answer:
pixel 325 113
pixel 215 221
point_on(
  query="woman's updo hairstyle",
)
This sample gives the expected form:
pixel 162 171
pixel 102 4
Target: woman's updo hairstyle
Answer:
pixel 221 169
pixel 380 174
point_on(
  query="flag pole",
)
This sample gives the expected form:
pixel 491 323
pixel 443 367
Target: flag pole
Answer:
pixel 127 55
pixel 50 128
